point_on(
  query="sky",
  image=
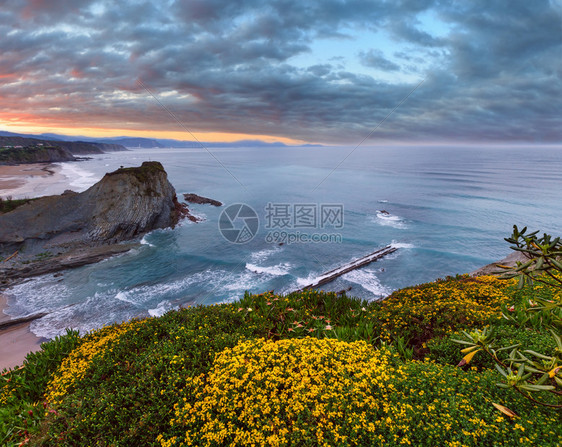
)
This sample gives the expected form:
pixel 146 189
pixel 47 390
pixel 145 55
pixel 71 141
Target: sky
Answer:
pixel 295 71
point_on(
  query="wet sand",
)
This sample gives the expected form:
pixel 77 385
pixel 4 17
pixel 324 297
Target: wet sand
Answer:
pixel 30 180
pixel 15 341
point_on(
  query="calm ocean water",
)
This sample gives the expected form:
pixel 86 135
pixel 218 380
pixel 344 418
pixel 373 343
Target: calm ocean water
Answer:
pixel 446 208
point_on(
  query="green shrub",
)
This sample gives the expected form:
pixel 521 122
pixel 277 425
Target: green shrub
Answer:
pixel 130 385
pixel 137 383
pixel 324 392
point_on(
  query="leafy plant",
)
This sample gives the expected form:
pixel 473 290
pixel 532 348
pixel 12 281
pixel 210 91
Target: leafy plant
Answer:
pixel 527 371
pixel 446 351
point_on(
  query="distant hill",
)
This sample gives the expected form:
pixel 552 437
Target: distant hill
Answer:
pixel 131 142
pixel 33 154
pixel 147 143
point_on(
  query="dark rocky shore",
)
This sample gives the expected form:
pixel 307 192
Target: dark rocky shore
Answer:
pixel 59 232
pixel 510 261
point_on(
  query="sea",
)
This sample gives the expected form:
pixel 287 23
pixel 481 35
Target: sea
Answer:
pixel 291 214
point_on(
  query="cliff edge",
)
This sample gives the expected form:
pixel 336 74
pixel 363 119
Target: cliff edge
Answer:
pixel 123 205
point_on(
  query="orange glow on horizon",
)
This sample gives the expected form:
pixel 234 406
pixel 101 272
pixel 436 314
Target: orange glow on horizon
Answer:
pixel 17 126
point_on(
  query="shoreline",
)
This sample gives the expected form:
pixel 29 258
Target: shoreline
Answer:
pixel 28 181
pixel 16 341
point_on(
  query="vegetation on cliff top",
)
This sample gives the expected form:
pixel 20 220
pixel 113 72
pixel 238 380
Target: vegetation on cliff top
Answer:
pixel 8 204
pixel 310 368
pixel 142 172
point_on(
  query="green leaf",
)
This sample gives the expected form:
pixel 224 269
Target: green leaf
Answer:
pixel 509 347
pixel 557 339
pixel 463 342
pixel 500 370
pixel 536 354
pixel 539 263
pixel 536 387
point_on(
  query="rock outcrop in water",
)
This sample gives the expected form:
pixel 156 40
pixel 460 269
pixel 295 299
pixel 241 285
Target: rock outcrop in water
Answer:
pixel 124 205
pixel 200 200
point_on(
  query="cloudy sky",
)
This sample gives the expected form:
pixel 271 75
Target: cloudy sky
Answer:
pixel 319 71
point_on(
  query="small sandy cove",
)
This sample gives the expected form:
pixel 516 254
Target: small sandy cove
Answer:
pixel 15 341
pixel 26 181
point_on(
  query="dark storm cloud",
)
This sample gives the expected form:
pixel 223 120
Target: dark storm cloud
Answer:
pixel 229 65
pixel 376 59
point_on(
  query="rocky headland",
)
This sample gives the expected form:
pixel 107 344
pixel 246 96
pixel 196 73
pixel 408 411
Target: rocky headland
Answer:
pixel 57 232
pixel 21 150
pixel 34 154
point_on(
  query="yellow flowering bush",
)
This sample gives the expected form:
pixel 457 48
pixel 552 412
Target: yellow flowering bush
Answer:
pixel 74 367
pixel 441 405
pixel 434 309
pixel 301 369
pixel 290 392
pixel 324 392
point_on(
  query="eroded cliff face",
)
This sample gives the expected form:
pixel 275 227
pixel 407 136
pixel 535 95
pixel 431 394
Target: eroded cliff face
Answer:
pixel 124 205
pixel 130 202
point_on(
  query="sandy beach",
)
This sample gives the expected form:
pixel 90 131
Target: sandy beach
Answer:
pixel 15 341
pixel 28 181
pixel 22 181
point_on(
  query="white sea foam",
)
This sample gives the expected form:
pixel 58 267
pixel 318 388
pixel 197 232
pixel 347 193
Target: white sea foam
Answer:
pixel 199 216
pixel 382 201
pixel 368 280
pixel 401 245
pixel 389 220
pixel 310 279
pixel 145 242
pixel 40 294
pixel 124 296
pixel 161 309
pixel 262 255
pixel 99 311
pixel 78 179
pixel 276 270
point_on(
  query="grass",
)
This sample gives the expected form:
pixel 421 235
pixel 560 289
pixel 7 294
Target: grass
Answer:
pixel 143 173
pixel 310 368
pixel 9 204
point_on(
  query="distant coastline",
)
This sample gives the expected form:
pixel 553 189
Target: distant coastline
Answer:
pixel 18 149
